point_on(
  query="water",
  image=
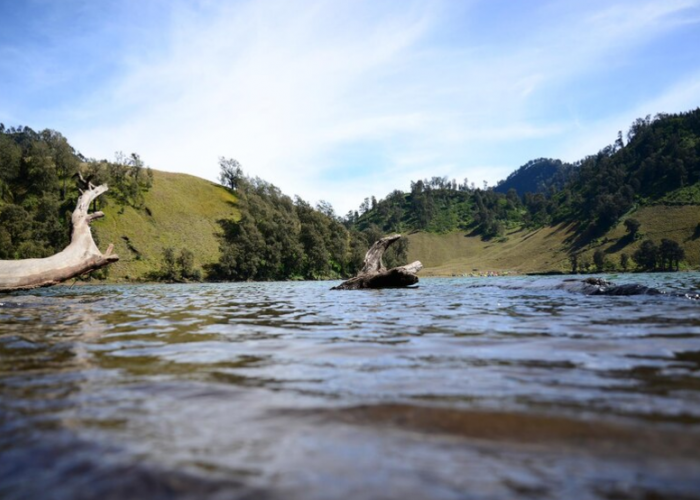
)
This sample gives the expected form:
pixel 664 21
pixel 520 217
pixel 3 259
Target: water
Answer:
pixel 462 388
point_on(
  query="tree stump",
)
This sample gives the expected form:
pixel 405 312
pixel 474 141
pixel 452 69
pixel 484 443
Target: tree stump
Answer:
pixel 79 257
pixel 375 275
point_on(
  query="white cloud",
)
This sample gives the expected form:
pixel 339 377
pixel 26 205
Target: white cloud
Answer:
pixel 287 87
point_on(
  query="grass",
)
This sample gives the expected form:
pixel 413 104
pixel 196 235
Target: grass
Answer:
pixel 689 195
pixel 546 249
pixel 657 222
pixel 523 251
pixel 180 211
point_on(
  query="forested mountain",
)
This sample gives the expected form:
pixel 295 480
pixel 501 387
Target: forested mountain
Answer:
pixel 542 175
pixel 659 164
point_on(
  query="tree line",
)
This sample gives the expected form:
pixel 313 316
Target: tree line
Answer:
pixel 280 238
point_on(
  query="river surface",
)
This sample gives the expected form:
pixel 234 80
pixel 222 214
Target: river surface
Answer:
pixel 482 388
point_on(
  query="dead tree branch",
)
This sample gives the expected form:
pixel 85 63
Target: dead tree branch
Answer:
pixel 80 257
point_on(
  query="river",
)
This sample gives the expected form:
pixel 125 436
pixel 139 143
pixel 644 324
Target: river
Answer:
pixel 462 388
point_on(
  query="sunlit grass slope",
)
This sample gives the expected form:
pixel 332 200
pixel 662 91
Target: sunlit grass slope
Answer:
pixel 522 252
pixel 180 211
pixel 676 223
pixel 546 249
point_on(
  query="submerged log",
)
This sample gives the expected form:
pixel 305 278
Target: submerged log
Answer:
pixel 80 257
pixel 375 275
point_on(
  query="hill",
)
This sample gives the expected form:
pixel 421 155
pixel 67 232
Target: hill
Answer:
pixel 179 211
pixel 548 248
pixel 169 227
pixel 537 176
pixel 654 179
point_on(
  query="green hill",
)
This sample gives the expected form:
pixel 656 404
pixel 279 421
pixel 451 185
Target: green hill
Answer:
pixel 654 178
pixel 179 211
pixel 453 228
pixel 547 249
pixel 537 176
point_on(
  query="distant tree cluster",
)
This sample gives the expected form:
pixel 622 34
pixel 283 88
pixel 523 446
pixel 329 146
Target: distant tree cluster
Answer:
pixel 439 205
pixel 177 267
pixel 127 176
pixel 666 256
pixel 277 238
pixel 38 190
pixel 543 175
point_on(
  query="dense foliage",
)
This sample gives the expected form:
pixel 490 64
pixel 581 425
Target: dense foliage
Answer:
pixel 177 267
pixel 543 175
pixel 279 238
pixel 662 156
pixel 439 205
pixel 665 256
pixel 38 189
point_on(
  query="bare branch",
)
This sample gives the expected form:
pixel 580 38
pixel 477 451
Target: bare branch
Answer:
pixel 81 256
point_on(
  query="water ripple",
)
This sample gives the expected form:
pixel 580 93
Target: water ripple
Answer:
pixel 224 385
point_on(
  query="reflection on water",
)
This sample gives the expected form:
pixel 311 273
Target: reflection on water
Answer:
pixel 462 388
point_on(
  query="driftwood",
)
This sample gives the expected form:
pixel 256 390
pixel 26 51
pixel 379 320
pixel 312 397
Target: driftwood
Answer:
pixel 80 257
pixel 375 275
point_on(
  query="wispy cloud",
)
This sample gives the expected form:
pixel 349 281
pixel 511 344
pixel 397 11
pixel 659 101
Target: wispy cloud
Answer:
pixel 342 100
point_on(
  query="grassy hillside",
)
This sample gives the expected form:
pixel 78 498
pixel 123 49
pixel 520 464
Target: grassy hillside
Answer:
pixel 523 252
pixel 546 249
pixel 180 211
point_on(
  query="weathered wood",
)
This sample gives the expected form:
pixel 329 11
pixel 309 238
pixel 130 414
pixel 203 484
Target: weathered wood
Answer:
pixel 80 257
pixel 375 275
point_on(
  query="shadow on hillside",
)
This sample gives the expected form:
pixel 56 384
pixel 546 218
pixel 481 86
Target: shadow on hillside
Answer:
pixel 568 228
pixel 696 234
pixel 580 238
pixel 620 244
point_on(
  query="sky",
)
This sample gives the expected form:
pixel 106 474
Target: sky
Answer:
pixel 339 100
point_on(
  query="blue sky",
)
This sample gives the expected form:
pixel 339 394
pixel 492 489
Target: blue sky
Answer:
pixel 338 100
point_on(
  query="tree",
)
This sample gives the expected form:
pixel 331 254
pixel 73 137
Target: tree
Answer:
pixel 632 226
pixel 178 268
pixel 624 261
pixel 10 159
pixel 15 220
pixel 168 270
pixel 230 173
pixel 326 209
pixel 64 157
pixel 599 260
pixel 646 255
pixel 364 206
pixel 670 254
pixel 573 259
pixel 41 169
